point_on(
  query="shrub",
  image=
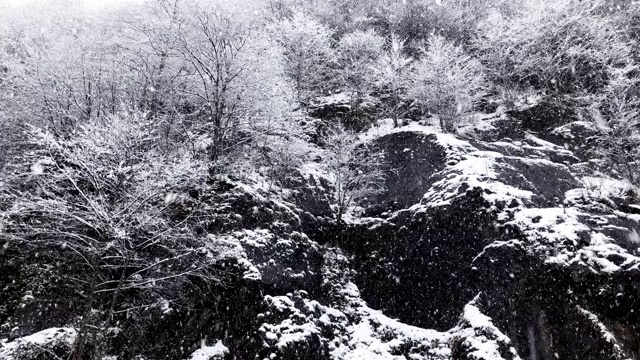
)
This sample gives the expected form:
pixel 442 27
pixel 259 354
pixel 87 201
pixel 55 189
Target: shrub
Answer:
pixel 112 212
pixel 618 118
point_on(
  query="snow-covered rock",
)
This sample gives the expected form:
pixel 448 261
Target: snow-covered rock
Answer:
pixel 217 351
pixel 512 219
pixel 47 344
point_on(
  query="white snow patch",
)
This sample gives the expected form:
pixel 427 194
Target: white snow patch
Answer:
pixel 549 224
pixel 313 169
pixel 598 257
pixel 217 351
pixel 339 98
pixel 634 237
pixel 229 247
pixel 476 169
pixel 297 328
pixel 365 340
pixel 479 122
pixel 542 143
pixel 385 127
pixel 565 130
pixel 480 335
pixel 38 167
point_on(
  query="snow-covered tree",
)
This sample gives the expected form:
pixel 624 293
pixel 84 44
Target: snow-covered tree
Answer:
pixel 392 73
pixel 308 54
pixel 148 38
pixel 234 74
pixel 357 52
pixel 447 81
pixel 556 46
pixel 357 170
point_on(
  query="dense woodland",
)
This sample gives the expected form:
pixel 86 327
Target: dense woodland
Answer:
pixel 116 123
pixel 206 82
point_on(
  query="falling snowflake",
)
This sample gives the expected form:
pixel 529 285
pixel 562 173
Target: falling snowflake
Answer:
pixel 170 198
pixel 38 167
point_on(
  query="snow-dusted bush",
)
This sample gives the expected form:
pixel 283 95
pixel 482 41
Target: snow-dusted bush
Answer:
pixel 357 51
pixel 447 82
pixel 618 118
pixel 417 21
pixel 113 213
pixel 234 74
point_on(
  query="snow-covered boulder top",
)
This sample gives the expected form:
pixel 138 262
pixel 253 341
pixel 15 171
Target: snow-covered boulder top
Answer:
pixel 438 168
pixel 576 130
pixel 579 136
pixel 330 106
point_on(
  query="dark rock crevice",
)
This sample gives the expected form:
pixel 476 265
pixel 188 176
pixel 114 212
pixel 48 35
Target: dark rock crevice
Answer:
pixel 411 159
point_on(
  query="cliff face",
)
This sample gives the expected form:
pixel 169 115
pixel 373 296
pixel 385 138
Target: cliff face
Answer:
pixel 548 245
pixel 484 246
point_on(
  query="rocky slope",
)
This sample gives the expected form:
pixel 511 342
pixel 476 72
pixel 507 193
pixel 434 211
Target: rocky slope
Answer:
pixel 488 245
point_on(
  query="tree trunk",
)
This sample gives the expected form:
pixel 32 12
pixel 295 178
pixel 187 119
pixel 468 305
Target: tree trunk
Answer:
pixel 395 109
pixel 79 346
